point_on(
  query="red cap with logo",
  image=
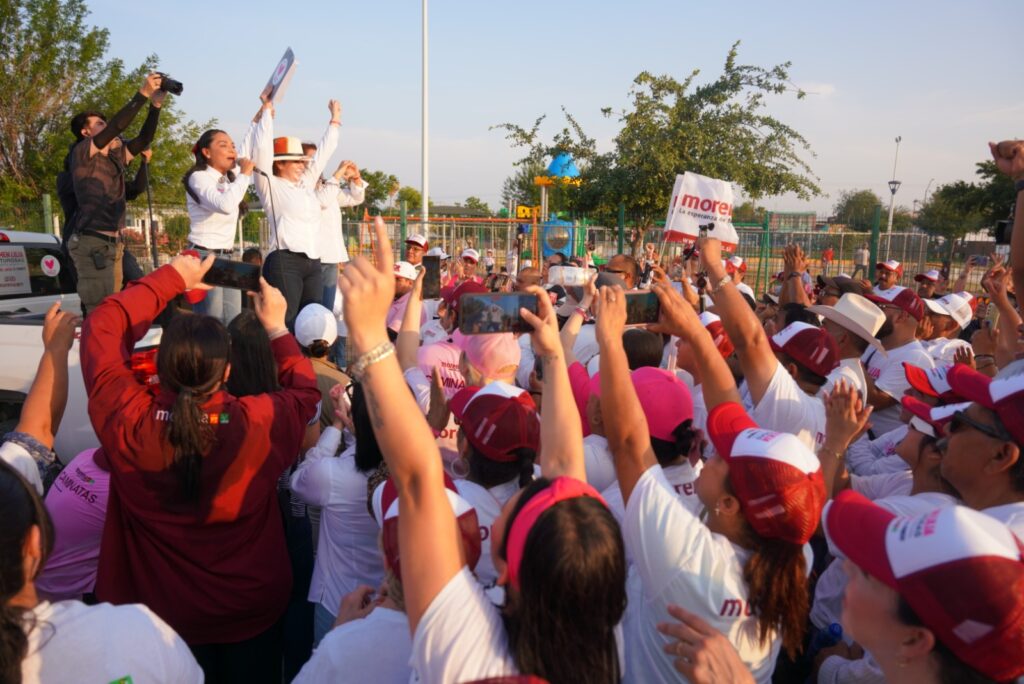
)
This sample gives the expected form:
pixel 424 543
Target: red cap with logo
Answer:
pixel 497 419
pixel 960 571
pixel 775 476
pixel 385 512
pixel 811 347
pixel 1004 396
pixel 451 294
pixel 713 324
pixel 905 299
pixel 931 382
pixel 933 418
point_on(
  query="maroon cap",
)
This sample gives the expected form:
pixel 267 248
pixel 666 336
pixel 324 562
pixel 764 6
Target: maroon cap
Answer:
pixel 905 299
pixel 497 419
pixel 960 570
pixel 811 347
pixel 1004 396
pixel 451 294
pixel 775 476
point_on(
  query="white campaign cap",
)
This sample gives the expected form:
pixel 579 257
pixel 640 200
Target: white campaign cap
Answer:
pixel 403 269
pixel 416 239
pixel 959 307
pixel 470 253
pixel 438 252
pixel 314 323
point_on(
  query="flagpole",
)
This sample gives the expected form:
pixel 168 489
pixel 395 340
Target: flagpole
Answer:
pixel 425 151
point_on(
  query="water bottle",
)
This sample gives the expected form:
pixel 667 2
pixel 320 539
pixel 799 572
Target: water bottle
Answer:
pixel 826 638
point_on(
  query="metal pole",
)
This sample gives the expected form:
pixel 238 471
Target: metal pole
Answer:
pixel 622 228
pixel 874 239
pixel 404 228
pixel 47 213
pixel 425 152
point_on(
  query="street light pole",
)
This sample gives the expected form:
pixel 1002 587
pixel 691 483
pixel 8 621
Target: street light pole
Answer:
pixel 424 149
pixel 926 189
pixel 894 185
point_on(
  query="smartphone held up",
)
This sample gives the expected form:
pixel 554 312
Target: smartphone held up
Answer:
pixel 234 274
pixel 485 314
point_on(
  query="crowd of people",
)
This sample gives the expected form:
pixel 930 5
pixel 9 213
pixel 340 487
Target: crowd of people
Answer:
pixel 327 481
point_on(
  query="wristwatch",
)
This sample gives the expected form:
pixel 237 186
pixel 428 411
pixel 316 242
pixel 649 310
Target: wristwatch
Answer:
pixel 795 274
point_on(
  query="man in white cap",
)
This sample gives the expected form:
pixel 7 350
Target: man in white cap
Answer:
pixel 737 268
pixel 927 283
pixel 470 258
pixel 949 316
pixel 405 276
pixel 887 277
pixel 415 246
pixel 853 323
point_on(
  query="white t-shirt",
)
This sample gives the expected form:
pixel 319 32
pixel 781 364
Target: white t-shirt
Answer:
pixel 598 462
pixel 374 649
pixel 1012 515
pixel 488 504
pixel 347 552
pixel 882 486
pixel 461 636
pixel 683 480
pixel 447 441
pixel 869 456
pixel 943 351
pixel 787 408
pixel 73 642
pixel 17 456
pixel 679 560
pixel 891 378
pixel 850 370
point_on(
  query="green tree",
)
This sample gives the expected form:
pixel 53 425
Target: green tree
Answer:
pixel 478 204
pixel 382 188
pixel 748 212
pixel 412 198
pixel 996 194
pixel 952 211
pixel 48 57
pixel 856 209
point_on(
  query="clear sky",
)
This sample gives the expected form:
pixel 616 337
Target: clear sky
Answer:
pixel 946 76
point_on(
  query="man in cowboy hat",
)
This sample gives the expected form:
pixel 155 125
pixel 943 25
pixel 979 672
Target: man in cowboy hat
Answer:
pixel 852 322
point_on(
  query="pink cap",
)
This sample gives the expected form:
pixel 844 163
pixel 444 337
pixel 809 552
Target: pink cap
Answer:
pixel 385 512
pixel 811 347
pixel 775 476
pixel 665 400
pixel 961 572
pixel 493 355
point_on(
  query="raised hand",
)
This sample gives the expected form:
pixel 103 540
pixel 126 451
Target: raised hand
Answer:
pixel 369 289
pixel 846 417
pixel 711 257
pixel 270 306
pixel 246 166
pixel 335 108
pixel 1009 157
pixel 677 316
pixel 544 338
pixel 610 309
pixel 192 270
pixel 151 85
pixel 964 356
pixel 702 654
pixel 59 329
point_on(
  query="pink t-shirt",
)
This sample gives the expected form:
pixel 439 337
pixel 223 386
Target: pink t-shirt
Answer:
pixel 77 503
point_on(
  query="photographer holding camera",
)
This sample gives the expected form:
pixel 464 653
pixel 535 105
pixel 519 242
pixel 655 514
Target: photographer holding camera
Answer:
pixel 98 162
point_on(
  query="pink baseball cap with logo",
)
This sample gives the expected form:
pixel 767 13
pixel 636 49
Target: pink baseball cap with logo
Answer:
pixel 385 511
pixel 775 476
pixel 811 347
pixel 665 400
pixel 497 419
pixel 494 355
pixel 961 572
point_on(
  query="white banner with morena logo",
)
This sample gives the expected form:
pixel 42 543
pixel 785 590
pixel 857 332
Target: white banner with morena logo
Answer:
pixel 700 202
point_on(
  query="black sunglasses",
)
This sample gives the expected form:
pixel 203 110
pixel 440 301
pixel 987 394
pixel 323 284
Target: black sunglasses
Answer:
pixel 997 431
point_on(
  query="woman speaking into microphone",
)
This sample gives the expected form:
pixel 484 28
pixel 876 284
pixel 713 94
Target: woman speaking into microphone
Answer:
pixel 288 196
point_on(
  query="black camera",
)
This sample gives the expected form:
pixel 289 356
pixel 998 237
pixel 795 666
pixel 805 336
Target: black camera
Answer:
pixel 1004 229
pixel 169 85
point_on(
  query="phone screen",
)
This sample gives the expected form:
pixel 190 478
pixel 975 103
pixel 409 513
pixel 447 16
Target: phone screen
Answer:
pixel 431 277
pixel 234 274
pixel 642 307
pixel 484 314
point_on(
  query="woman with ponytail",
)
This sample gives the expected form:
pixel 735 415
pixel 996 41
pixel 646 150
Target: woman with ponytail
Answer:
pixel 215 189
pixel 69 641
pixel 743 569
pixel 193 528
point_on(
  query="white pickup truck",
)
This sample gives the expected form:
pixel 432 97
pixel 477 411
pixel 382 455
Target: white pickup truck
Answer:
pixel 33 274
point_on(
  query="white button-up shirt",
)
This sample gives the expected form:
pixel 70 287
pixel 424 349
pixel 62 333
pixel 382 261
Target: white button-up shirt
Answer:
pixel 333 198
pixel 292 209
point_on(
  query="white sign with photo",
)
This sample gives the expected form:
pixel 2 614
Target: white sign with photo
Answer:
pixel 699 201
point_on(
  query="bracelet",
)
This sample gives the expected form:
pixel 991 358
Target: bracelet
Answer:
pixel 581 311
pixel 835 453
pixel 358 368
pixel 990 363
pixel 277 332
pixel 715 289
pixel 983 356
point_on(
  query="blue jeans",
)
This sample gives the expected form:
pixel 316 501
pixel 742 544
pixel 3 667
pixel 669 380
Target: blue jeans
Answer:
pixel 329 273
pixel 297 277
pixel 323 622
pixel 220 302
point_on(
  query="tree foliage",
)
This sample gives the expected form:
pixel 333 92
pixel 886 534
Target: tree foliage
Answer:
pixel 719 129
pixel 953 210
pixel 478 204
pixel 856 209
pixel 380 192
pixel 412 198
pixel 53 65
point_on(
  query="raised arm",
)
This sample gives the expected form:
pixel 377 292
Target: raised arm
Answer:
pixel 995 283
pixel 427 531
pixel 328 144
pixel 741 325
pixel 846 417
pixel 407 345
pixel 44 406
pixel 120 121
pixel 571 330
pixel 1009 158
pixel 624 422
pixel 145 137
pixel 561 433
pixel 793 285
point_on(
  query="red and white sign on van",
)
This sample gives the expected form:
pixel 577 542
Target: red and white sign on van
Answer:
pixel 699 201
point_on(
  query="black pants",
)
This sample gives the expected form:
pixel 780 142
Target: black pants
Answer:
pixel 255 660
pixel 298 277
